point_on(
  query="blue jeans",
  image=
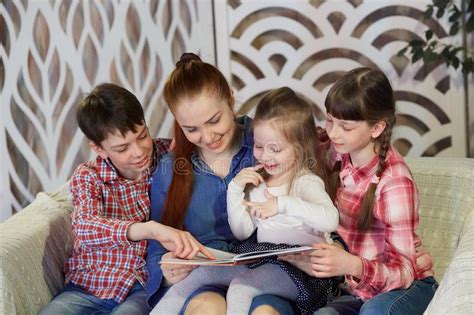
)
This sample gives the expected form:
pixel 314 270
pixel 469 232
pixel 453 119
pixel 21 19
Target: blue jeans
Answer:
pixel 74 300
pixel 282 305
pixel 412 300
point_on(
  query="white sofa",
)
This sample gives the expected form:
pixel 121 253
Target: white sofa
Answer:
pixel 35 242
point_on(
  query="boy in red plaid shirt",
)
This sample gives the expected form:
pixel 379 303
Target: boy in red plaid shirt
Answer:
pixel 106 272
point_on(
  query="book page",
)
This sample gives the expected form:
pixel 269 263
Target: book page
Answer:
pixel 272 252
pixel 219 254
pixel 222 257
pixel 228 259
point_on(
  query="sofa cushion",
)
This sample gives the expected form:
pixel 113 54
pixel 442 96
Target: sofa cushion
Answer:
pixel 34 244
pixel 446 200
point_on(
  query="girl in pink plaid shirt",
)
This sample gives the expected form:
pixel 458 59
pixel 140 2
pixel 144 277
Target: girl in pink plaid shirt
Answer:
pixel 377 199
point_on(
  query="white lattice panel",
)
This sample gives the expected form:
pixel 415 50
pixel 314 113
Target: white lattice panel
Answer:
pixel 307 45
pixel 54 51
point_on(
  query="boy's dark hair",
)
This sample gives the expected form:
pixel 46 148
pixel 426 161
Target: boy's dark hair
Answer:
pixel 107 109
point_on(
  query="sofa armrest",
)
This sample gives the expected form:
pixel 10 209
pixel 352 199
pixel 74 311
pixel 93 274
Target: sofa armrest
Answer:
pixel 456 291
pixel 34 245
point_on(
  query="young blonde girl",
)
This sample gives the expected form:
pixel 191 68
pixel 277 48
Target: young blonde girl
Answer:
pixel 287 206
pixel 377 199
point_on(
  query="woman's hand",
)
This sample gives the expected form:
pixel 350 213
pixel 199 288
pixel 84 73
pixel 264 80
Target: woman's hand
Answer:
pixel 325 261
pixel 175 273
pixel 249 175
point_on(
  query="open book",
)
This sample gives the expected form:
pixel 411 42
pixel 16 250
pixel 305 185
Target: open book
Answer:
pixel 229 259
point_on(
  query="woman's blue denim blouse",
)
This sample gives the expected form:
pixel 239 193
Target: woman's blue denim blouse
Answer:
pixel 206 216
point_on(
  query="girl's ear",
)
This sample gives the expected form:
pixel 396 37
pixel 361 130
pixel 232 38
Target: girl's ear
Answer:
pixel 98 150
pixel 377 129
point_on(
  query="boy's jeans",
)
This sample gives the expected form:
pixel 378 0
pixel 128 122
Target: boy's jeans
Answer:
pixel 74 300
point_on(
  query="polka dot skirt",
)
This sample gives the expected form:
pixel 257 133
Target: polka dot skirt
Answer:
pixel 313 292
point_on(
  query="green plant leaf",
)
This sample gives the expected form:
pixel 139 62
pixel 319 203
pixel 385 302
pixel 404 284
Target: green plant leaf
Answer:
pixel 470 23
pixel 429 12
pixel 416 43
pixel 417 55
pixel 455 15
pixel 433 44
pixel 430 56
pixel 428 34
pixel 441 3
pixel 402 51
pixel 455 62
pixel 432 49
pixel 456 50
pixel 468 66
pixel 454 29
pixel 440 13
pixel 445 51
pixel 414 49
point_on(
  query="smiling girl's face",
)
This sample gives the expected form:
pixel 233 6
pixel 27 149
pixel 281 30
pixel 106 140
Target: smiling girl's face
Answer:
pixel 272 150
pixel 354 137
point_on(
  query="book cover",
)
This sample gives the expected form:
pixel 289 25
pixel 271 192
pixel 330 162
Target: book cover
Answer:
pixel 229 259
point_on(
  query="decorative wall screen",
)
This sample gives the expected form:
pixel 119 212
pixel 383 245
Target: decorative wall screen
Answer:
pixel 54 51
pixel 307 45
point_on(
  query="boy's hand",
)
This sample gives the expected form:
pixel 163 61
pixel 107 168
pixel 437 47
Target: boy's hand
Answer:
pixel 249 175
pixel 181 243
pixel 263 210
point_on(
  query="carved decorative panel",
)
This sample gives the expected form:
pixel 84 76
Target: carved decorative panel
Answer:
pixel 53 52
pixel 308 45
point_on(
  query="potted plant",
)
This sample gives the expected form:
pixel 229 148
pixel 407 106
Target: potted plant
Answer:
pixel 459 56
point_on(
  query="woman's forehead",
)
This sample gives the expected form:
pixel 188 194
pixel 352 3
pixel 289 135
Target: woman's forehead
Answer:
pixel 191 111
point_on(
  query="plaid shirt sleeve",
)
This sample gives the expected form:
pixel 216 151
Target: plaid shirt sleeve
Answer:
pixel 89 225
pixel 162 146
pixel 396 266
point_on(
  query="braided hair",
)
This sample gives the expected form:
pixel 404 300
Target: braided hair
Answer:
pixel 363 94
